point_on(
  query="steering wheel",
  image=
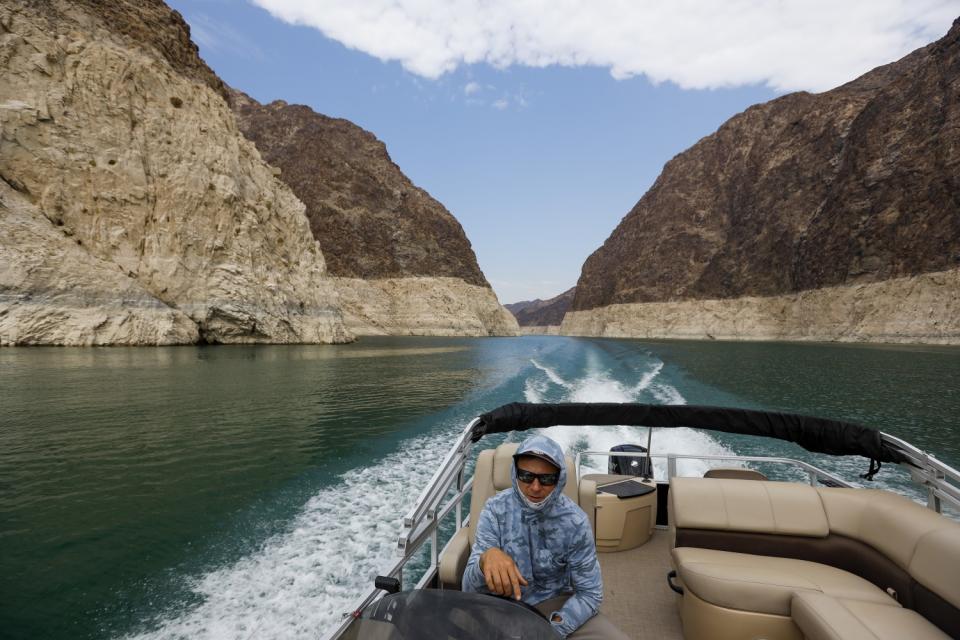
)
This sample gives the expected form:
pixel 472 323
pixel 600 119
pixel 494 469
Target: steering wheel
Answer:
pixel 525 605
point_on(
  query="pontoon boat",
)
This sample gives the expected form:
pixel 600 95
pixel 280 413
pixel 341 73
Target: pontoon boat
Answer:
pixel 727 556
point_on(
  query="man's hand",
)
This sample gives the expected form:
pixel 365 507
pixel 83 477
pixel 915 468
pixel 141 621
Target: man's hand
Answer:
pixel 501 573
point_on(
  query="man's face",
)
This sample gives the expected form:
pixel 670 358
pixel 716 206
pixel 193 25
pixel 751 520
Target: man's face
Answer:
pixel 534 491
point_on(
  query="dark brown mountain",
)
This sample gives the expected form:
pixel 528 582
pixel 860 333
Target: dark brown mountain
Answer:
pixel 370 220
pixel 540 313
pixel 854 185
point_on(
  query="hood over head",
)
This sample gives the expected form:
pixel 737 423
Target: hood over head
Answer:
pixel 548 449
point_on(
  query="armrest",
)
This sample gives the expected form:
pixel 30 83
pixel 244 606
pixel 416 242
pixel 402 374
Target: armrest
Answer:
pixel 588 502
pixel 453 560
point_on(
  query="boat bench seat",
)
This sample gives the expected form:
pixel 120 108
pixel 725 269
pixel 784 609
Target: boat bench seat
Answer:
pixel 755 554
pixel 822 617
pixel 492 474
pixel 764 584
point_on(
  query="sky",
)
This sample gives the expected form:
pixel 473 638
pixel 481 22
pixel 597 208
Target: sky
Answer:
pixel 540 123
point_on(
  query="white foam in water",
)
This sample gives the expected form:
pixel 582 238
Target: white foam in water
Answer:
pixel 554 378
pixel 299 584
pixel 667 394
pixel 598 386
pixel 648 377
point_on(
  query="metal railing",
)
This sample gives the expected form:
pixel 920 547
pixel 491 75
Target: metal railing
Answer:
pixel 941 481
pixel 814 474
pixel 422 522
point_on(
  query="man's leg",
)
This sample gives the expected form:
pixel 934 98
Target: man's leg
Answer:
pixel 596 628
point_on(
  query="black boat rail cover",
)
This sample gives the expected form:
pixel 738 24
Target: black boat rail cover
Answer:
pixel 818 435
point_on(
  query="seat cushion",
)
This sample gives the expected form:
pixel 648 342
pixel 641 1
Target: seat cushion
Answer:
pixel 780 508
pixel 764 584
pixel 821 617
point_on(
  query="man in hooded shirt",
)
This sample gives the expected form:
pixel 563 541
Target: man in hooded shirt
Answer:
pixel 535 544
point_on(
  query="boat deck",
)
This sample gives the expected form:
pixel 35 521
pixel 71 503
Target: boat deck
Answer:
pixel 636 597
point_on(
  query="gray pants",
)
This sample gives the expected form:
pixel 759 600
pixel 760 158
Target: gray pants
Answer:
pixel 596 628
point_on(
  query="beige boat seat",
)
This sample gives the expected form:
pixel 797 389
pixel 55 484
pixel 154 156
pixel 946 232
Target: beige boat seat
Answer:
pixel 763 584
pixel 744 550
pixel 822 617
pixel 492 474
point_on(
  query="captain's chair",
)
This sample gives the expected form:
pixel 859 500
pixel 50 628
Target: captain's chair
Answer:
pixel 492 474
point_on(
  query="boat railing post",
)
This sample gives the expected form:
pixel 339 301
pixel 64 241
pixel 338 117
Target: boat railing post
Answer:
pixel 671 467
pixel 812 477
pixel 933 500
pixel 433 550
pixel 459 515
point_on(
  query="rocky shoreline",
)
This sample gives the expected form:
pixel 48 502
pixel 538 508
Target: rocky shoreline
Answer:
pixel 923 309
pixel 421 306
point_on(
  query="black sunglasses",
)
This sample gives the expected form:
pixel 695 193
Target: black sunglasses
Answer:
pixel 546 479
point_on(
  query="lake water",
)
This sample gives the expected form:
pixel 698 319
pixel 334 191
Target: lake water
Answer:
pixel 253 492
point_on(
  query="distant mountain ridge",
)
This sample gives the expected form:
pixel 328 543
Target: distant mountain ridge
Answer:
pixel 539 313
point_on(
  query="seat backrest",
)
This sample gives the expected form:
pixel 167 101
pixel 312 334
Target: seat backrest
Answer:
pixel 734 473
pixel 890 523
pixel 777 508
pixel 492 474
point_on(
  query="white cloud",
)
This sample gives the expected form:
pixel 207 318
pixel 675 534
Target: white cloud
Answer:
pixel 471 88
pixel 213 36
pixel 786 44
pixel 501 104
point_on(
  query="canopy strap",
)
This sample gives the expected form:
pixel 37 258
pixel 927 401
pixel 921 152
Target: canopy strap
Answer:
pixel 872 471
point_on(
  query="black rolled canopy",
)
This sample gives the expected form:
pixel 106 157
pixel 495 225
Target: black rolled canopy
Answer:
pixel 818 435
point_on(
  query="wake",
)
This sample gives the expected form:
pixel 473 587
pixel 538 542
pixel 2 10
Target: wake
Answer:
pixel 598 386
pixel 301 583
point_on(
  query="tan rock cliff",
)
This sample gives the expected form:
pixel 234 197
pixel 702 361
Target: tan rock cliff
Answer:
pixel 923 309
pixel 115 131
pixel 52 291
pixel 422 306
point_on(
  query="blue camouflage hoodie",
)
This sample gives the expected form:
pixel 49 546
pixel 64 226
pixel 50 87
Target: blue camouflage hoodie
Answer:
pixel 552 547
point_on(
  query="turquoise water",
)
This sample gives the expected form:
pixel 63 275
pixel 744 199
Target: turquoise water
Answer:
pixel 251 492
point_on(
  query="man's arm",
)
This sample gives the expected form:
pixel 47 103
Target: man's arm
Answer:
pixel 587 586
pixel 487 536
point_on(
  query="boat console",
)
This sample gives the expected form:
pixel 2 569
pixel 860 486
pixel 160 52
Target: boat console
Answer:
pixel 626 511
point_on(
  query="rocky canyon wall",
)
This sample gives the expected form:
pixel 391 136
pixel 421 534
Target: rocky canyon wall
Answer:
pixel 134 211
pixel 401 262
pixel 422 306
pixel 813 216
